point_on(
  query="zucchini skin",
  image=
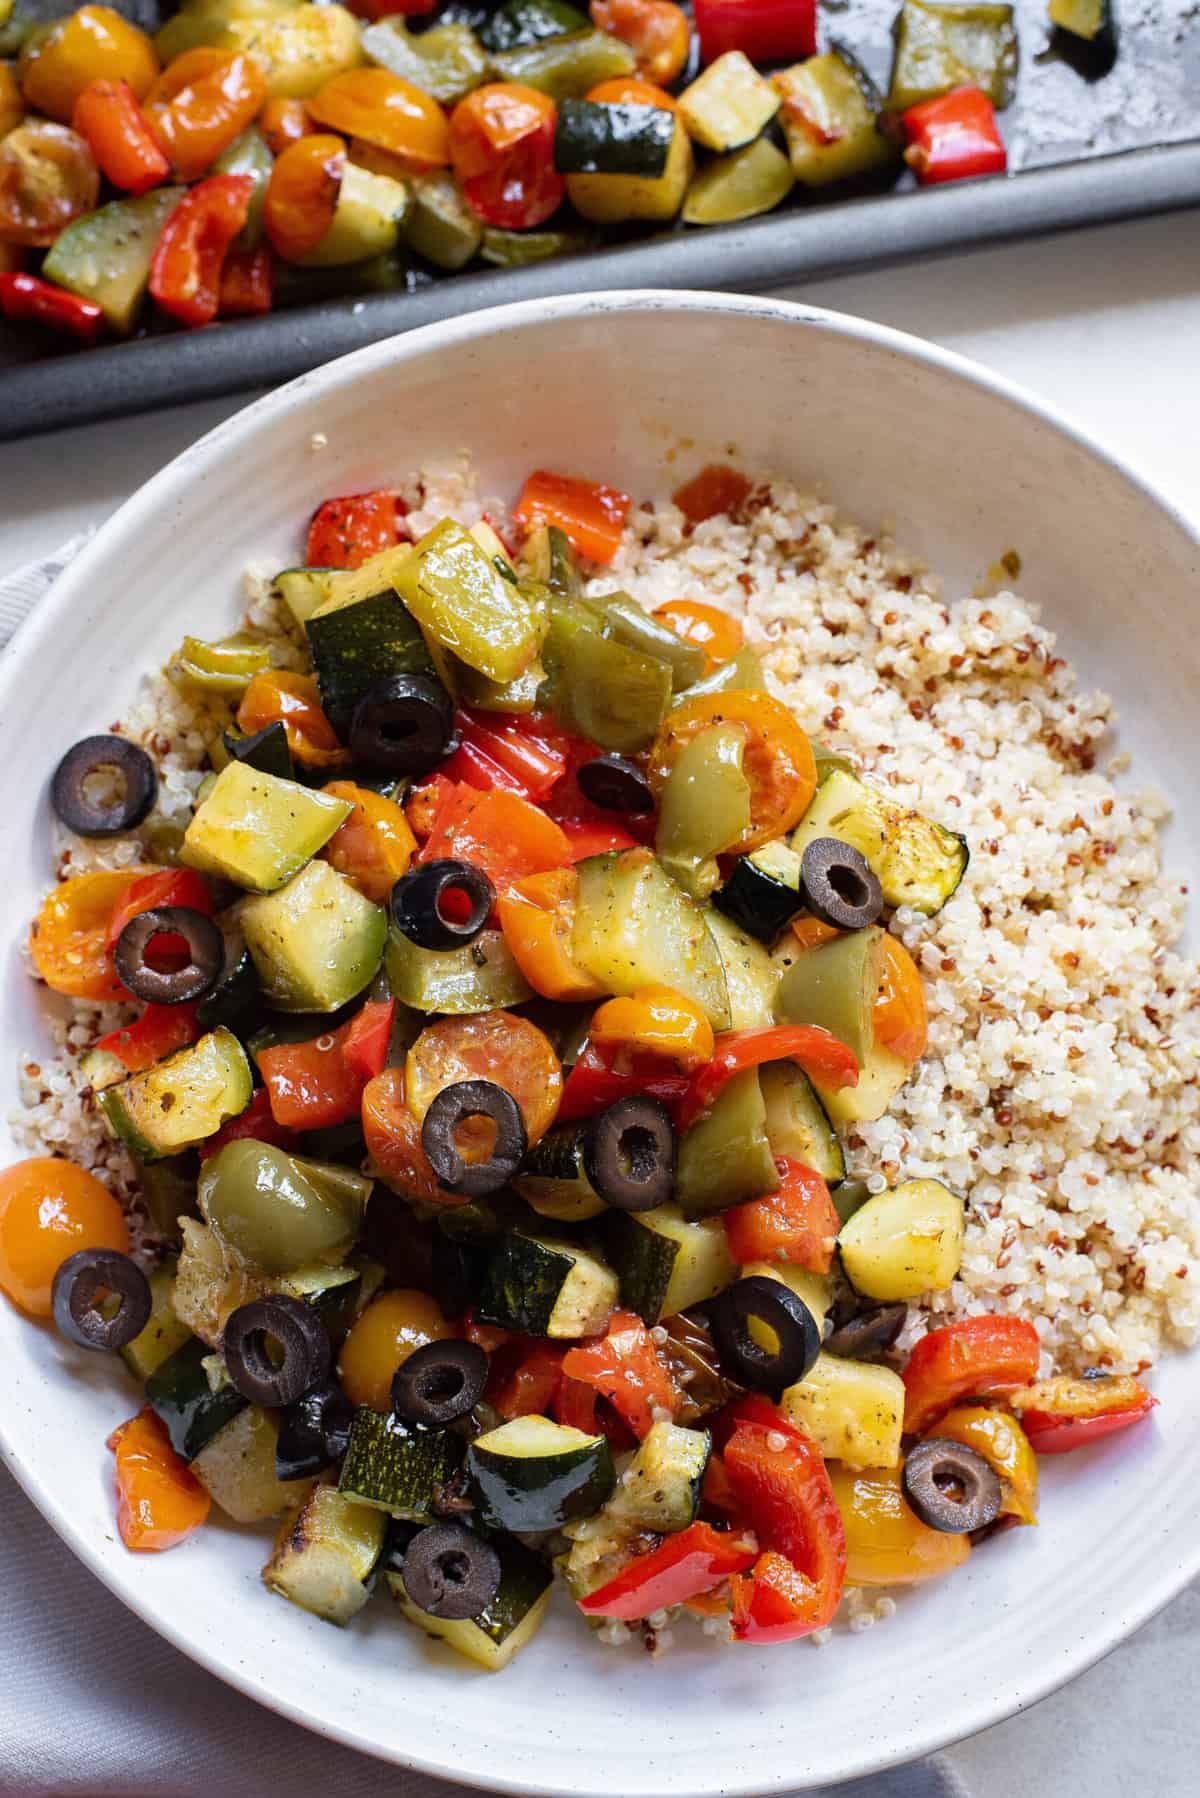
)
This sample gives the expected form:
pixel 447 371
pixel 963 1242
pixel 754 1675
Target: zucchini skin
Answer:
pixel 531 1285
pixel 179 1393
pixel 526 1493
pixel 397 1467
pixel 506 1623
pixel 360 644
pixel 595 139
pixel 758 900
pixel 266 749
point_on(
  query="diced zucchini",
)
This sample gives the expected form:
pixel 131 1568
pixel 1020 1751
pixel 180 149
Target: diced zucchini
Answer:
pixel 880 1077
pixel 325 1553
pixel 814 1290
pixel 543 1286
pixel 831 119
pixel 335 1293
pixel 237 1469
pixel 266 749
pixel 660 1489
pixel 568 67
pixel 250 155
pixel 750 975
pixel 316 942
pixel 529 22
pixel 395 1466
pixel 729 104
pixel 162 1332
pixel 237 996
pixel 517 249
pixel 905 1241
pixel 259 831
pixel 480 977
pixel 726 1159
pixel 511 1619
pixel 615 199
pixel 351 586
pixel 303 590
pixel 940 47
pixel 366 222
pixel 918 864
pixel 532 1474
pixel 667 1262
pixel 634 927
pixel 105 256
pixel 549 557
pixel 762 894
pixel 101 1069
pixel 853 1410
pixel 835 986
pixel 592 138
pixel 553 1180
pixel 210 1281
pixel 180 1392
pixel 742 185
pixel 358 645
pixel 180 1102
pixel 797 1124
pixel 462 601
pixel 441 226
pixel 1087 19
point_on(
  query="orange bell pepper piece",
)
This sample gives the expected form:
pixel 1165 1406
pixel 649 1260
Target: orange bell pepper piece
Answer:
pixel 159 1501
pixel 659 1020
pixel 537 916
pixel 108 116
pixel 592 516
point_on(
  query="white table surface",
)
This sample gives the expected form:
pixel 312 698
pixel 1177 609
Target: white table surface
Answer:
pixel 1106 326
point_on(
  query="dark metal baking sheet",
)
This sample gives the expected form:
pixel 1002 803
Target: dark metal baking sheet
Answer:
pixel 1082 152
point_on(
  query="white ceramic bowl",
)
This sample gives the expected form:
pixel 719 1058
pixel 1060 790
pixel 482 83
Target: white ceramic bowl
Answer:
pixel 636 389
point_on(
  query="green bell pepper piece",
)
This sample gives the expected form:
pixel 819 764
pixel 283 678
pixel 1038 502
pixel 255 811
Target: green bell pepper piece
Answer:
pixel 517 249
pixel 461 600
pixel 549 557
pixel 441 226
pixel 831 120
pixel 741 674
pixel 600 688
pixel 836 986
pixel 227 666
pixel 446 62
pixel 943 47
pixel 566 68
pixel 105 256
pixel 480 977
pixel 704 808
pixel 632 625
pixel 249 155
pixel 726 1158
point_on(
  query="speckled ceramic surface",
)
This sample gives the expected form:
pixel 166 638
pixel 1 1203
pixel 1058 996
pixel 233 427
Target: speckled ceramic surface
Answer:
pixel 616 385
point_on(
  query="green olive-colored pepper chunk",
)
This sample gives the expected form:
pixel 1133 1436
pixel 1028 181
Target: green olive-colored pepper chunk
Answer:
pixel 460 599
pixel 743 673
pixel 480 977
pixel 549 557
pixel 278 1210
pixel 614 695
pixel 943 47
pixel 836 986
pixel 742 185
pixel 447 61
pixel 704 808
pixel 831 120
pixel 517 249
pixel 726 1158
pixel 440 225
pixel 566 68
pixel 227 666
pixel 249 155
pixel 632 625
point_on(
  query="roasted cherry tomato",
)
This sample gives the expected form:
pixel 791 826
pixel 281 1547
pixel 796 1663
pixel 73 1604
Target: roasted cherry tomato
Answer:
pixel 656 1020
pixel 159 1500
pixel 385 110
pixel 92 44
pixel 293 700
pixel 12 104
pixel 199 105
pixel 283 122
pixel 537 916
pixel 502 148
pixel 798 1223
pixel 656 30
pixel 347 531
pixel 50 1209
pixel 375 844
pixel 48 176
pixel 718 634
pixel 69 940
pixel 811 932
pixel 389 1330
pixel 302 194
pixel 900 1016
pixel 631 90
pixel 393 1138
pixel 491 1045
pixel 778 758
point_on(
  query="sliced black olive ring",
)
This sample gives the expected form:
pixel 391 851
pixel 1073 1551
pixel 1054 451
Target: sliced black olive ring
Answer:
pixel 125 776
pixel 867 1334
pixel 439 1382
pixel 175 986
pixel 96 1274
pixel 629 1154
pixel 838 886
pixel 301 1356
pixel 615 784
pixel 402 724
pixel 313 1432
pixel 775 1308
pixel 451 1109
pixel 451 1573
pixel 420 912
pixel 951 1487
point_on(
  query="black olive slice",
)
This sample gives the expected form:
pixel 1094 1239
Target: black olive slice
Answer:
pixel 125 776
pixel 452 1107
pixel 616 784
pixel 161 986
pixel 402 724
pixel 301 1346
pixel 951 1487
pixel 451 1573
pixel 94 1274
pixel 439 1382
pixel 788 1318
pixel 313 1431
pixel 838 886
pixel 629 1154
pixel 420 910
pixel 867 1334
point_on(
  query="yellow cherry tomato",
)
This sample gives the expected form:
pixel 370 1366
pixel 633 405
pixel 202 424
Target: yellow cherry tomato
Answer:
pixel 886 1542
pixel 49 1209
pixel 492 1045
pixel 93 44
pixel 385 110
pixel 375 845
pixel 659 1020
pixel 387 1333
pixel 715 632
pixel 69 937
pixel 537 916
pixel 900 1016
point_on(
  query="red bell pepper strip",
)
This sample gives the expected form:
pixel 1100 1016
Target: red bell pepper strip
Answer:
pixel 592 515
pixel 185 274
pixel 798 1223
pixel 534 762
pixel 27 299
pixel 107 114
pixel 682 1566
pixel 159 1031
pixel 472 766
pixel 498 831
pixel 783 1491
pixel 606 1072
pixel 347 531
pixel 255 1122
pixel 953 137
pixel 968 1359
pixel 367 1038
pixel 171 886
pixel 528 1384
pixel 763 30
pixel 826 1062
pixel 1050 1435
pixel 313 1085
pixel 587 837
pixel 574 1404
pixel 1062 1414
pixel 247 283
pixel 625 1368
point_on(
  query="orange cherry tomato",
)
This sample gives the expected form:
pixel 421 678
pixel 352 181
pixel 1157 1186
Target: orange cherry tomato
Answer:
pixel 49 1209
pixel 391 1328
pixel 302 194
pixel 12 106
pixel 393 1139
pixel 659 1021
pixel 900 1016
pixel 778 759
pixel 656 30
pixel 713 631
pixel 294 700
pixel 283 122
pixel 199 105
pixel 631 90
pixel 375 844
pixel 811 932
pixel 69 937
pixel 537 916
pixel 492 1045
pixel 48 176
pixel 159 1499
pixel 93 44
pixel 492 120
pixel 385 110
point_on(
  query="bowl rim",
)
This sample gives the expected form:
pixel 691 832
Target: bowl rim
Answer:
pixel 986 1707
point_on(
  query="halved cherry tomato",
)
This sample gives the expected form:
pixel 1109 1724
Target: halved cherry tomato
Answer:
pixel 717 491
pixel 588 836
pixel 718 634
pixel 968 1359
pixel 683 1566
pixel 161 886
pixel 385 110
pixel 302 194
pixel 1062 1414
pixel 49 1209
pixel 294 700
pixel 826 1062
pixel 200 103
pixel 319 1083
pixel 900 1017
pixel 393 1138
pixel 490 1045
pixel 798 1223
pixel 784 1493
pixel 255 1122
pixel 283 122
pixel 657 30
pixel 625 1368
pixel 601 1076
pixel 69 940
pixel 811 932
pixel 501 833
pixel 591 514
pixel 93 43
pixel 108 116
pixel 392 1328
pixel 159 1032
pixel 502 148
pixel 526 1379
pixel 159 1500
pixel 347 531
pixel 185 274
pixel 48 176
pixel 631 90
pixel 656 1020
pixel 537 916
pixel 247 283
pixel 778 759
pixel 375 844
